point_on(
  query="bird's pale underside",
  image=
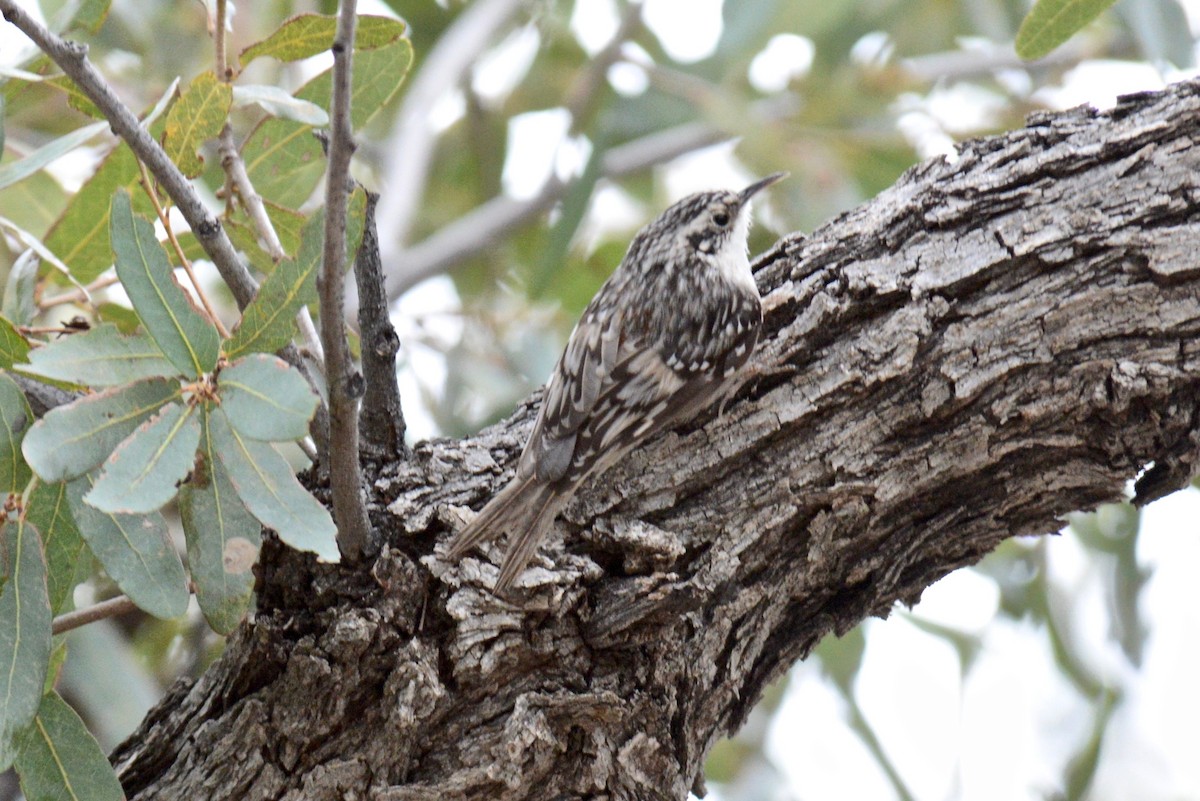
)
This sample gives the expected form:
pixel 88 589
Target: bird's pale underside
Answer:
pixel 661 341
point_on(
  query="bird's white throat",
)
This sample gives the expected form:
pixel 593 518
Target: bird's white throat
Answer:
pixel 733 259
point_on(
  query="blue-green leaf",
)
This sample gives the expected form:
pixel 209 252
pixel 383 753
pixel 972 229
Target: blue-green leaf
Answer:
pixel 264 482
pixel 136 551
pixel 71 440
pixel 49 511
pixel 1051 22
pixel 101 357
pixel 15 420
pixel 24 634
pixel 266 398
pixel 61 761
pixel 145 470
pixel 186 337
pixel 223 539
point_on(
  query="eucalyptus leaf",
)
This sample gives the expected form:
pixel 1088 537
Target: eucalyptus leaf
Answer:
pixel 101 357
pixel 16 171
pixel 268 323
pixel 14 348
pixel 15 420
pixel 1051 22
pixel 71 440
pixel 135 550
pixel 306 35
pixel 284 160
pixel 186 337
pixel 279 103
pixel 223 539
pixel 80 236
pixel 50 512
pixel 61 761
pixel 145 470
pixel 266 398
pixel 264 481
pixel 198 116
pixel 24 634
pixel 18 303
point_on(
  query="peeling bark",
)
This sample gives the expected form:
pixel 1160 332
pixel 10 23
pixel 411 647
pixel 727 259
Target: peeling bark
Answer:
pixel 986 346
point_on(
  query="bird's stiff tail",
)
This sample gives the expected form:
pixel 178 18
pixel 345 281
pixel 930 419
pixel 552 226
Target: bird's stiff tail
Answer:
pixel 525 509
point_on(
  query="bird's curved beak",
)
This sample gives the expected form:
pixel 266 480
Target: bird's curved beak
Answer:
pixel 756 187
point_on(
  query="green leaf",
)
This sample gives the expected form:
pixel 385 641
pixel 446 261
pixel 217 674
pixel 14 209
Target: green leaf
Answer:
pixel 61 761
pixel 283 159
pixel 71 440
pixel 24 634
pixel 15 419
pixel 186 337
pixel 265 398
pixel 264 482
pixel 76 99
pixel 16 171
pixel 309 34
pixel 145 471
pixel 268 323
pixel 80 237
pixel 136 551
pixel 1051 22
pixel 123 317
pixel 101 357
pixel 223 539
pixel 199 116
pixel 279 103
pixel 49 512
pixel 14 349
pixel 18 303
pixel 34 204
pixel 88 16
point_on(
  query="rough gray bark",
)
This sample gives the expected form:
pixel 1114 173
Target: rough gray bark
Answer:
pixel 984 347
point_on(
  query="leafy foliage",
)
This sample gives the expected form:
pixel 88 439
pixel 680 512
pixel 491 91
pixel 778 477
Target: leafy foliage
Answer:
pixel 168 406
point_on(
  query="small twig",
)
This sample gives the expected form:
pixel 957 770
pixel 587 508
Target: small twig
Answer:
pixel 581 98
pixel 78 295
pixel 413 142
pixel 252 202
pixel 345 385
pixel 222 63
pixel 120 605
pixel 382 416
pixel 71 57
pixel 163 218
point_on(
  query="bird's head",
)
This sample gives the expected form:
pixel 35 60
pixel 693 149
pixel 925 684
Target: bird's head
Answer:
pixel 713 224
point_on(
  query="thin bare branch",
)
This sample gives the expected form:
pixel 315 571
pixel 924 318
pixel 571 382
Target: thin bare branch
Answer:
pixel 488 224
pixel 345 384
pixel 412 144
pixel 121 605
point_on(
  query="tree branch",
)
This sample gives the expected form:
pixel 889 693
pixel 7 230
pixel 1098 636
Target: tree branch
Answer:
pixel 381 416
pixel 71 57
pixel 345 384
pixel 986 346
pixel 478 230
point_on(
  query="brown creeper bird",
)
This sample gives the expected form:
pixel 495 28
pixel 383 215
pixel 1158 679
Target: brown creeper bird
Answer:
pixel 659 343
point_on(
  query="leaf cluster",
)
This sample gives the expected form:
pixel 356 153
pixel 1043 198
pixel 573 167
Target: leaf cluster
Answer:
pixel 169 408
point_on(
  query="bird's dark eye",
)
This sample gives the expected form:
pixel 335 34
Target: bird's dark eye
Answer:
pixel 721 218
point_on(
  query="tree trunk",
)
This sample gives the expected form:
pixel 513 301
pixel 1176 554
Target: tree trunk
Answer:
pixel 988 345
